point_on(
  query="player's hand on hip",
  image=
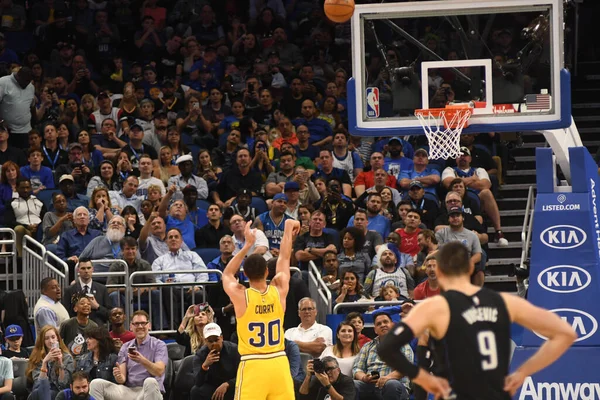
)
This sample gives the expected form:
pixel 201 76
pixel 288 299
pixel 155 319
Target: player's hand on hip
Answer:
pixel 439 387
pixel 513 382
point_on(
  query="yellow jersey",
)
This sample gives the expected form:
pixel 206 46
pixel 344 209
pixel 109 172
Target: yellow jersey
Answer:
pixel 260 329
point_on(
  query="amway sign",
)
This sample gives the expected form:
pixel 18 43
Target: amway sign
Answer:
pixel 564 279
pixel 559 391
pixel 563 237
pixel 582 322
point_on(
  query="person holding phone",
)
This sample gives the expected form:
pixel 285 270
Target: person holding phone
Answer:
pixel 190 332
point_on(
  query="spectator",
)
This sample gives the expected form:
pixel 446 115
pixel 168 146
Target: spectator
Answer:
pixel 429 287
pixel 351 256
pixel 428 177
pixel 146 179
pixel 210 235
pixel 74 241
pixel 272 222
pixel 380 179
pixel 14 340
pixel 243 206
pixel 10 153
pixel 132 222
pixel 391 269
pixel 95 292
pixel 100 358
pixel 305 148
pixel 118 332
pixel 127 195
pixel 395 163
pixel 470 222
pixel 207 171
pixel 186 177
pixel 338 208
pixel 140 367
pixel 54 156
pixel 429 208
pixel 107 178
pixel 16 102
pixel 40 176
pixel 372 239
pixel 345 348
pixel 107 140
pixel 215 366
pixel 478 180
pixel 330 384
pixel 140 295
pixel 366 180
pixel 76 168
pixel 389 384
pixel 50 366
pixel 9 175
pixel 457 232
pixel 320 130
pixel 276 181
pixel 351 289
pixel 377 222
pixel 49 310
pixel 428 244
pixel 56 222
pixel 73 330
pixel 153 239
pixel 408 234
pixel 468 204
pixel 357 320
pixel 330 271
pixel 178 217
pixel 327 170
pixel 343 158
pixel 261 246
pixel 66 184
pixel 106 247
pixel 24 214
pixel 312 245
pixel 80 388
pixel 239 176
pixel 190 332
pixel 310 336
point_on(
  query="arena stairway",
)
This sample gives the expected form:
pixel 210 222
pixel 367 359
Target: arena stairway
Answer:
pixel 512 197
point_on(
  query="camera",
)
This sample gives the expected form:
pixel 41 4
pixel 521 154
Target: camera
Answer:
pixel 318 366
pixel 50 92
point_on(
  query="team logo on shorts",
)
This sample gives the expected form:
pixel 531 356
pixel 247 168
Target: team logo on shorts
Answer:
pixel 372 102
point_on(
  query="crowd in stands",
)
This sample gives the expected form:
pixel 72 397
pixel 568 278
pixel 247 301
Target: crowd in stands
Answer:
pixel 147 132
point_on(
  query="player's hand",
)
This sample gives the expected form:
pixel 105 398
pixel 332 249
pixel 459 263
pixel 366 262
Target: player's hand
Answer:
pixel 513 382
pixel 323 378
pixel 405 307
pixel 294 225
pixel 212 358
pixel 250 235
pixel 439 387
pixel 219 394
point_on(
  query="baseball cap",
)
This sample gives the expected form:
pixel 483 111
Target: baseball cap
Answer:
pixel 242 192
pixel 395 138
pixel 149 68
pixel 66 178
pixel 161 115
pixel 184 158
pixel 291 185
pixel 280 196
pixel 74 145
pixel 415 183
pixel 168 83
pixel 465 151
pixel 189 189
pixel 103 95
pixel 136 125
pixel 422 151
pixel 455 210
pixel 212 329
pixel 13 331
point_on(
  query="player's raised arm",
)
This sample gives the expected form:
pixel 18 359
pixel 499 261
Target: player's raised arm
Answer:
pixel 545 323
pixel 234 290
pixel 282 277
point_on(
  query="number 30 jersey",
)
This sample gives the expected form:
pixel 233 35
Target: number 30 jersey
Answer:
pixel 260 329
pixel 476 347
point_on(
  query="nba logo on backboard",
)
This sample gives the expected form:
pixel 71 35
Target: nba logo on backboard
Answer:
pixel 372 102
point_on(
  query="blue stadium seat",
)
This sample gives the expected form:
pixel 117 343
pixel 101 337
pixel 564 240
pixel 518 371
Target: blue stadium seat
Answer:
pixel 473 197
pixel 202 204
pixel 260 205
pixel 207 255
pixel 195 149
pixel 45 196
pixel 335 234
pixel 186 139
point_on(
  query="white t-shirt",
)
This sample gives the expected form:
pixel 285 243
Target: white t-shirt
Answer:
pixel 308 335
pixel 261 240
pixel 345 363
pixel 450 173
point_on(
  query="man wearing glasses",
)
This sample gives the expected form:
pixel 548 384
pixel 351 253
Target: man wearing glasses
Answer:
pixel 310 336
pixel 140 368
pixel 327 384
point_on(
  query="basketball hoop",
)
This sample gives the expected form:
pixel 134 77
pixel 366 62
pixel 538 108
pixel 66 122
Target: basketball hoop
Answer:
pixel 442 127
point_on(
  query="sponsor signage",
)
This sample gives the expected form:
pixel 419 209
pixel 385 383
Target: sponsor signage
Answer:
pixel 563 237
pixel 582 322
pixel 564 279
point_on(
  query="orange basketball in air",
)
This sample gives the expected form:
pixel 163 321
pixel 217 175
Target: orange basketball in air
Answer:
pixel 339 10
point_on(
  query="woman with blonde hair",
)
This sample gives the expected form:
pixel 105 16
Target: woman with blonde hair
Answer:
pixel 101 209
pixel 129 103
pixel 190 332
pixel 166 169
pixel 50 365
pixel 88 106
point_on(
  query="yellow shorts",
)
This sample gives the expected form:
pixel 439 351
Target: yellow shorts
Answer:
pixel 264 378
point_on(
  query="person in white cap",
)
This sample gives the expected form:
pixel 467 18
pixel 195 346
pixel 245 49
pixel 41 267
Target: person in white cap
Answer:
pixel 186 177
pixel 215 366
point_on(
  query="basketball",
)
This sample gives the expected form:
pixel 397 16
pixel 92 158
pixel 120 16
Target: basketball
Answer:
pixel 339 10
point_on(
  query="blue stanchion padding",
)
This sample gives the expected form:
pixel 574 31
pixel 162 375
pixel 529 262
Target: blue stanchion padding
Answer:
pixel 573 376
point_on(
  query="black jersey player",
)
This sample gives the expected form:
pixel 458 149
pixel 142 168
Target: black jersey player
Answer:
pixel 473 324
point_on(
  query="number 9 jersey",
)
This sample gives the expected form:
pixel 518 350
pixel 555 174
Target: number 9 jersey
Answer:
pixel 264 370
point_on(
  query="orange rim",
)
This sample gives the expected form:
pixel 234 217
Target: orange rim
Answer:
pixel 449 113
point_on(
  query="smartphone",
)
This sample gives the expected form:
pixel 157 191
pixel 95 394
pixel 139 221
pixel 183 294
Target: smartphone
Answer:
pixel 196 106
pixel 196 309
pixel 251 87
pixel 55 345
pixel 374 374
pixel 132 350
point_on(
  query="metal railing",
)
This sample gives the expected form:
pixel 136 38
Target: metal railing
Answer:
pixel 319 292
pixel 125 285
pixel 167 317
pixel 527 228
pixel 8 257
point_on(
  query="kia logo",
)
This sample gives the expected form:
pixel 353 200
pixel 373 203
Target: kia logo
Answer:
pixel 564 279
pixel 563 237
pixel 583 323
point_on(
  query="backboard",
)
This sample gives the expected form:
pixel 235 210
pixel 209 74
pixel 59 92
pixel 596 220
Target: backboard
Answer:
pixel 504 57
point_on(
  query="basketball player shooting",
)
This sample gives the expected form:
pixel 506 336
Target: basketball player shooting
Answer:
pixel 471 326
pixel 264 370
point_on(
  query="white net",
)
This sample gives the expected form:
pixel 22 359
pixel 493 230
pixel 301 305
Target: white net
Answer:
pixel 443 129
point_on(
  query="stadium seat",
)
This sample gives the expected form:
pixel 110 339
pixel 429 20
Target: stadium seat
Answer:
pixel 335 234
pixel 19 387
pixel 202 204
pixel 304 357
pixel 168 378
pixel 176 351
pixel 195 149
pixel 186 139
pixel 260 204
pixel 45 196
pixel 208 254
pixel 184 379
